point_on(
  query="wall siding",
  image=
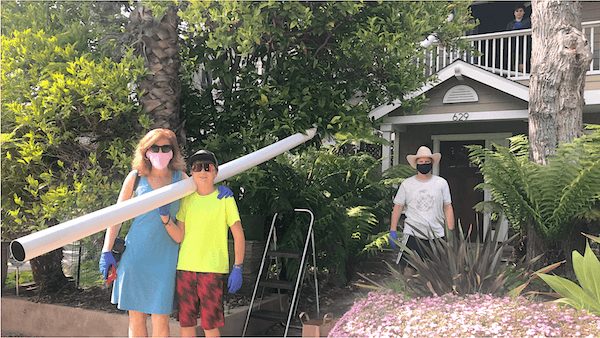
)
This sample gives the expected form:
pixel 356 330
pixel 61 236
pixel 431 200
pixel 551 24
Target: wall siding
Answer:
pixel 490 99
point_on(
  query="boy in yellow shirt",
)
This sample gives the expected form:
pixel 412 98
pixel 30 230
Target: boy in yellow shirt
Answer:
pixel 202 224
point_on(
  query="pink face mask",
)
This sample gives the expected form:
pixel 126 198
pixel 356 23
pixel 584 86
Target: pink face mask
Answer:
pixel 159 160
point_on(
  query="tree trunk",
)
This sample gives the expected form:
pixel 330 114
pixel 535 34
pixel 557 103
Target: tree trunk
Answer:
pixel 158 43
pixel 48 273
pixel 560 59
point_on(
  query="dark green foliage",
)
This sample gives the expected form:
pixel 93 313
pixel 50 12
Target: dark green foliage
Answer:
pixel 256 72
pixel 344 193
pixel 555 198
pixel 455 265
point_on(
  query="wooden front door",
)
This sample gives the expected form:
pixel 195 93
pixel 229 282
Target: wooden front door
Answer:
pixel 462 177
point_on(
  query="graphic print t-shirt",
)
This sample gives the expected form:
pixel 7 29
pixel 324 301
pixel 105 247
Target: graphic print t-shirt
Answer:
pixel 423 203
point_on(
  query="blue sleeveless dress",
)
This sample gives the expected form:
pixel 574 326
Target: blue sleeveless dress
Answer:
pixel 146 273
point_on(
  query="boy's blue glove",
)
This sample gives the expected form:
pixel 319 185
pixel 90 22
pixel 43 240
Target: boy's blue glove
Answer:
pixel 235 279
pixel 164 210
pixel 393 238
pixel 106 261
pixel 224 191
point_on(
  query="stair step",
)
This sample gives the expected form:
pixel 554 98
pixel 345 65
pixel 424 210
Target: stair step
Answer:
pixel 274 316
pixel 277 284
pixel 285 254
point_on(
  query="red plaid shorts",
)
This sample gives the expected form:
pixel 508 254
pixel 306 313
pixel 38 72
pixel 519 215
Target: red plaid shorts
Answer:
pixel 200 291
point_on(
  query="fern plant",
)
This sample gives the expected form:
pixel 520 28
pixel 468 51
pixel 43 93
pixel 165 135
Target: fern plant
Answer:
pixel 551 197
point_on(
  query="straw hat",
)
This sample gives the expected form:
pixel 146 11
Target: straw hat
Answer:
pixel 423 152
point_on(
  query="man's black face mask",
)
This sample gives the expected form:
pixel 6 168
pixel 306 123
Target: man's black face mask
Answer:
pixel 424 168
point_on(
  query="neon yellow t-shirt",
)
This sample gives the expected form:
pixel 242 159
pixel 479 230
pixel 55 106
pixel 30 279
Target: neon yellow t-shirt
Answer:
pixel 207 220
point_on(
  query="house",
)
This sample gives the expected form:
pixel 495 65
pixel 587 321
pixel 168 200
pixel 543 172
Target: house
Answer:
pixel 477 99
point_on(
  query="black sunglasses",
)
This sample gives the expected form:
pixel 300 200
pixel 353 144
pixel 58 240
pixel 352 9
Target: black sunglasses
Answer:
pixel 199 166
pixel 164 149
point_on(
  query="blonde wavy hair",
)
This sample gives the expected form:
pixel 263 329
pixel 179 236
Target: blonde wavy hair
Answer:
pixel 142 164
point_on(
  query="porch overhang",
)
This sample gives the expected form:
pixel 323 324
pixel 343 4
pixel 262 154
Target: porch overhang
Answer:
pixel 459 69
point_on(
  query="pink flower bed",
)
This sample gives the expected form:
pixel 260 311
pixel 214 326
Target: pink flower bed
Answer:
pixel 384 314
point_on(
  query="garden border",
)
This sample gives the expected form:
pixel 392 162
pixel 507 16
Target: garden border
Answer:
pixel 39 319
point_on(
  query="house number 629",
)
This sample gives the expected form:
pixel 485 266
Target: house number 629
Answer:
pixel 457 117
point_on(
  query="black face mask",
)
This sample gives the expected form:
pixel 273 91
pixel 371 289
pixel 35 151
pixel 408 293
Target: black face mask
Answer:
pixel 424 168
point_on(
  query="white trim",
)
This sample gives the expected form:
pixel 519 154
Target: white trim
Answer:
pixel 591 97
pixel 386 127
pixel 396 150
pixel 385 152
pixel 470 137
pixel 466 70
pixel 460 117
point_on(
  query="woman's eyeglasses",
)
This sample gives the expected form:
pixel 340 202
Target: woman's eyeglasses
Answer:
pixel 164 149
pixel 199 166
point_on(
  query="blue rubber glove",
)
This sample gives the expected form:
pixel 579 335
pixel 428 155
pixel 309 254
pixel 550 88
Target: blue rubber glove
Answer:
pixel 235 279
pixel 224 191
pixel 106 261
pixel 393 238
pixel 164 210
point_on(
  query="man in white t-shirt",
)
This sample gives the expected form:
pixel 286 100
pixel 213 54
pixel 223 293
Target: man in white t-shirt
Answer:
pixel 426 202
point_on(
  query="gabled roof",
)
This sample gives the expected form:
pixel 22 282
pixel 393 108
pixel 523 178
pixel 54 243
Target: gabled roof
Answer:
pixel 460 68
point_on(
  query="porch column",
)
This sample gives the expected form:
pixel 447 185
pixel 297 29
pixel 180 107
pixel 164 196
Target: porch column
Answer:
pixel 386 130
pixel 396 145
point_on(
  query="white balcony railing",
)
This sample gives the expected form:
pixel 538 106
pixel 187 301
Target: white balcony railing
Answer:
pixel 504 53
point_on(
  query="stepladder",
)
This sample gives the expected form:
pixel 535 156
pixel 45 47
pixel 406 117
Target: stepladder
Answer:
pixel 270 276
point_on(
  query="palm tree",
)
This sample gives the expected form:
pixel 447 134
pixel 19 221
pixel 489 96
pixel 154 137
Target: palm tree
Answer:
pixel 157 41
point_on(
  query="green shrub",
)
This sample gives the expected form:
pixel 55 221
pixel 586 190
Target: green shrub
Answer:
pixel 586 295
pixel 68 127
pixel 455 265
pixel 344 193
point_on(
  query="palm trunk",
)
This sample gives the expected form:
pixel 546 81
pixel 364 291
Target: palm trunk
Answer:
pixel 158 43
pixel 559 61
pixel 48 273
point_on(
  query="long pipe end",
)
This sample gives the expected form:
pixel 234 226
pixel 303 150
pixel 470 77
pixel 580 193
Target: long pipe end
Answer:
pixel 17 251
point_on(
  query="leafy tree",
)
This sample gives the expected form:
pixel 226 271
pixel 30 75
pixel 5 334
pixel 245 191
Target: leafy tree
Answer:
pixel 259 71
pixel 69 117
pixel 255 72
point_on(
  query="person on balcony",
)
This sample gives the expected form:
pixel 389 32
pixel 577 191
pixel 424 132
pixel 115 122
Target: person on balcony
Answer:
pixel 520 22
pixel 426 202
pixel 523 52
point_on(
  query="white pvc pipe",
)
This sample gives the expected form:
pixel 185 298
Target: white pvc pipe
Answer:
pixel 44 241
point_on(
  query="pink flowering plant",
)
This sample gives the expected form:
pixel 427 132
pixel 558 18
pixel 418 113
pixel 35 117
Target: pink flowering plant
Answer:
pixel 388 314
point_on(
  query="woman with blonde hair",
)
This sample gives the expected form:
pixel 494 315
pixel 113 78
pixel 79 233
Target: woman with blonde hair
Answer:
pixel 145 275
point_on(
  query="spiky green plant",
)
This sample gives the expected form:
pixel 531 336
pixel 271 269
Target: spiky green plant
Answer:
pixel 455 265
pixel 553 197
